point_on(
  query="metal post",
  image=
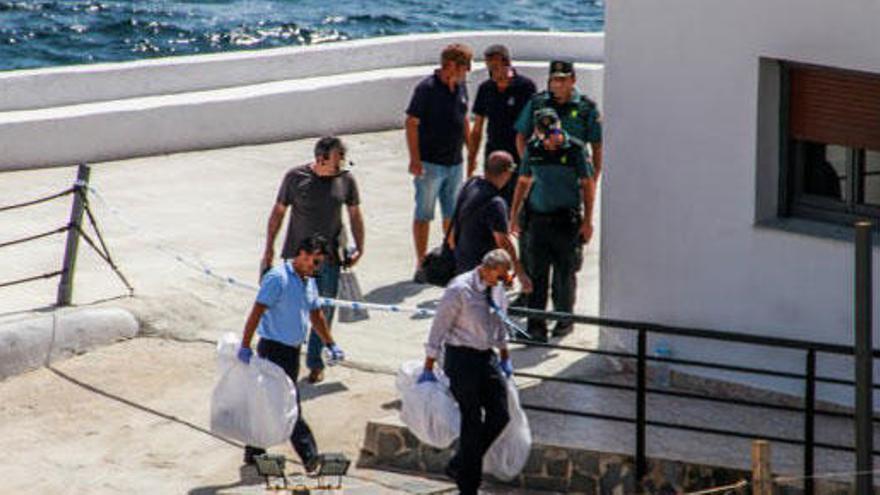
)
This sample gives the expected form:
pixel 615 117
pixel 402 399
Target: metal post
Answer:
pixel 65 286
pixel 864 361
pixel 641 417
pixel 809 422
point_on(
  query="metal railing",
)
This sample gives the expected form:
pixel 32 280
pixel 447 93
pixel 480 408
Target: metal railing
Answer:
pixel 74 230
pixel 809 377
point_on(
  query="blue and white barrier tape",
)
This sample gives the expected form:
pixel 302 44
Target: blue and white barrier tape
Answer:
pixel 204 269
pixel 393 308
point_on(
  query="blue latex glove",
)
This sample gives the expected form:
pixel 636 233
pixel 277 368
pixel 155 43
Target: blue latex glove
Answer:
pixel 426 376
pixel 244 355
pixel 506 367
pixel 334 355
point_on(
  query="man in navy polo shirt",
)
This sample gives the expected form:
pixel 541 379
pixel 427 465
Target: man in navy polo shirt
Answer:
pixel 286 307
pixel 436 129
pixel 500 99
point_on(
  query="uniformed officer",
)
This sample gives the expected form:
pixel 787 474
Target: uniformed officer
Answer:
pixel 469 329
pixel 556 185
pixel 580 118
pixel 578 114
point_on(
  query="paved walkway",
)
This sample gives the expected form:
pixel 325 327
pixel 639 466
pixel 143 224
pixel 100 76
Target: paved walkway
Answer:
pixel 132 417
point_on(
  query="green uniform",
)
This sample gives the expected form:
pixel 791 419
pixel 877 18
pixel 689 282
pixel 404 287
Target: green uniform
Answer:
pixel 556 186
pixel 552 226
pixel 579 117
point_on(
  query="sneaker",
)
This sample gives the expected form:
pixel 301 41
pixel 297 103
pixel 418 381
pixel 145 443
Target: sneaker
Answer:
pixel 250 453
pixel 316 375
pixel 563 328
pixel 419 277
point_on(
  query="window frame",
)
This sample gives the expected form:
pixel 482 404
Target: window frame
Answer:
pixel 793 202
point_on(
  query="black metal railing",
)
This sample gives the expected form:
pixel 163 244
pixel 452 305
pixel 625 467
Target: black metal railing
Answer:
pixel 640 418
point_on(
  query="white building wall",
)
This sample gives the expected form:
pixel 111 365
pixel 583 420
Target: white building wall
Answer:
pixel 681 241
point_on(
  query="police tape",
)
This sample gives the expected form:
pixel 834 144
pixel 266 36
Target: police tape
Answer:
pixel 416 311
pixel 206 270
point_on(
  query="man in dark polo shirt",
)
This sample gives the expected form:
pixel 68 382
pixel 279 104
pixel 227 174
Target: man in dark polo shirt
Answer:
pixel 558 182
pixel 315 194
pixel 436 129
pixel 500 99
pixel 481 218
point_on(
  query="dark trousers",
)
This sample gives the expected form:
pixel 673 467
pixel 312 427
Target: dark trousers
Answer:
pixel 481 393
pixel 287 358
pixel 553 244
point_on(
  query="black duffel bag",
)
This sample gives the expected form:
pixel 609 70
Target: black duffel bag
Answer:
pixel 438 267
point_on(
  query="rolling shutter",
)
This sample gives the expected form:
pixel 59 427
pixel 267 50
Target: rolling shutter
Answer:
pixel 834 106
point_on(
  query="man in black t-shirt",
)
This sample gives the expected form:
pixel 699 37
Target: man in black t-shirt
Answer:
pixel 499 101
pixel 481 219
pixel 315 194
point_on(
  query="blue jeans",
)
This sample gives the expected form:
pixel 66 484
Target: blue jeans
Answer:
pixel 327 280
pixel 436 182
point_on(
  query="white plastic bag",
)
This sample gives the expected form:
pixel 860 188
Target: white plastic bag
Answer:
pixel 428 409
pixel 509 452
pixel 254 404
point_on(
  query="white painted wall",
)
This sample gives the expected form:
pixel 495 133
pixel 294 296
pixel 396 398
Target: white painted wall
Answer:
pixel 685 157
pixel 41 88
pixel 351 100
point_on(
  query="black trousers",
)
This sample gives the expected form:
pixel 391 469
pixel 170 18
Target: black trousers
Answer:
pixel 481 393
pixel 554 243
pixel 287 358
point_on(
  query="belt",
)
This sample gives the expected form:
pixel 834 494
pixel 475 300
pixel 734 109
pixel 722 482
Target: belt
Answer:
pixel 470 350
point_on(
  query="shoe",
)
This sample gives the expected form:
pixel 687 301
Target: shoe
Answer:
pixel 250 453
pixel 419 277
pixel 563 328
pixel 537 330
pixel 313 465
pixel 316 375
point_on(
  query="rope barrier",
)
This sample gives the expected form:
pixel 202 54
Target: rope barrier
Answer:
pixel 35 237
pixel 31 279
pixel 36 201
pixel 736 487
pixel 107 259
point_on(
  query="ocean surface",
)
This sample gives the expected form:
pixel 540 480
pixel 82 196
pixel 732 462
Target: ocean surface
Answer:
pixel 36 33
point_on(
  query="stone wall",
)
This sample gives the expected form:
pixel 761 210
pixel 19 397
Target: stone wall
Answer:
pixel 549 468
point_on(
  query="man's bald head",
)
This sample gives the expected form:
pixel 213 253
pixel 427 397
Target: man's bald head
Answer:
pixel 498 163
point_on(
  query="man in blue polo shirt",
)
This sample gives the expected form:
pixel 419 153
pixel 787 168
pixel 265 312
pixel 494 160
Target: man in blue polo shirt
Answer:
pixel 286 307
pixel 436 129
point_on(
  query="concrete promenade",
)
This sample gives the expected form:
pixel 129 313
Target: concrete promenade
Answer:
pixel 131 417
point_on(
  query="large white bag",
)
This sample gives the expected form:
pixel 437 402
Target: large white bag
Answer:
pixel 254 404
pixel 509 452
pixel 428 409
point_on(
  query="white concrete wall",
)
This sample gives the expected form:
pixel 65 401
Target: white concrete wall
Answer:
pixel 353 99
pixel 685 157
pixel 41 88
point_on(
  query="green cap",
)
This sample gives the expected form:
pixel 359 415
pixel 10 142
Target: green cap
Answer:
pixel 561 68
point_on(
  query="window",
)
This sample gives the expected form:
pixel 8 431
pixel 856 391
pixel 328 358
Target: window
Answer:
pixel 831 144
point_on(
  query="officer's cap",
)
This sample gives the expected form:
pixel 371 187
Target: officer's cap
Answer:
pixel 561 68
